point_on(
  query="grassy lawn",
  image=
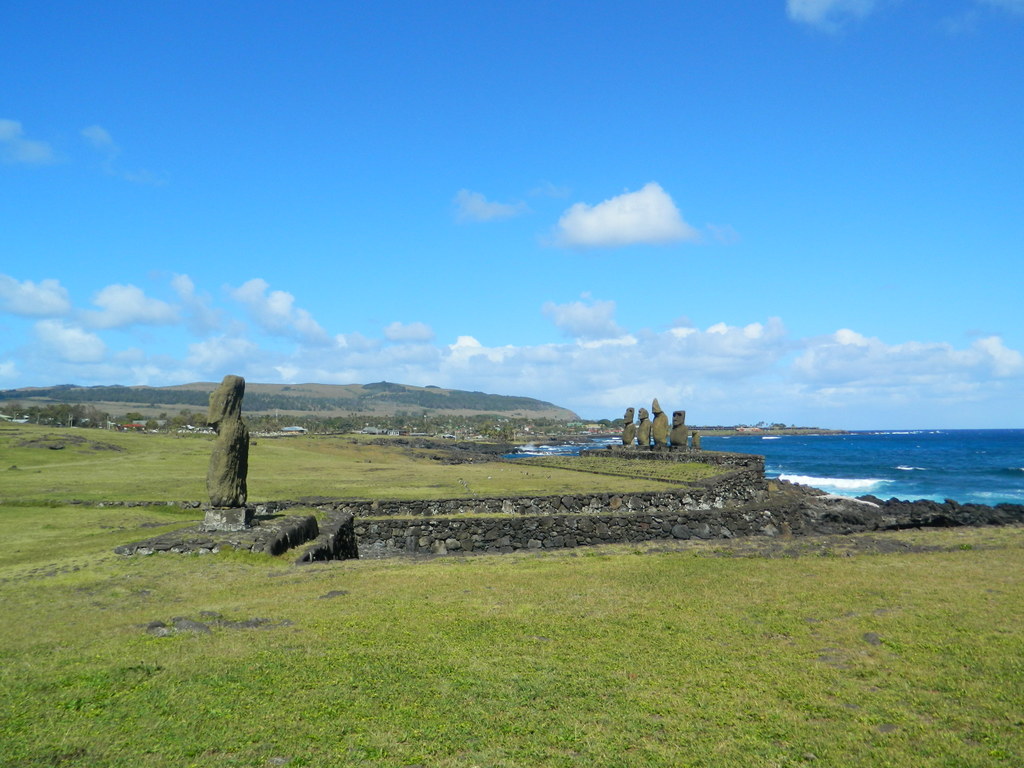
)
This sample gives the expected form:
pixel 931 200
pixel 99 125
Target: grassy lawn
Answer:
pixel 48 464
pixel 700 654
pixel 674 472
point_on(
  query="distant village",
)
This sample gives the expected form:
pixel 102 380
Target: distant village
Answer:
pixel 402 423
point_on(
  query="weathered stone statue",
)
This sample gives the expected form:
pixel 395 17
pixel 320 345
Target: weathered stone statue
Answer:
pixel 229 460
pixel 695 437
pixel 659 428
pixel 678 434
pixel 643 429
pixel 628 428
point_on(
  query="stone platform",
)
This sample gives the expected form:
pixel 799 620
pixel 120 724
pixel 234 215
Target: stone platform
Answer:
pixel 272 534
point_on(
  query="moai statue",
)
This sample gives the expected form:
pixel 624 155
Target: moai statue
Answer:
pixel 659 428
pixel 695 437
pixel 678 434
pixel 229 460
pixel 629 428
pixel 643 429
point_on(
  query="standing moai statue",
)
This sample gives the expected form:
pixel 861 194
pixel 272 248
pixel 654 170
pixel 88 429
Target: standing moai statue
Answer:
pixel 696 440
pixel 659 428
pixel 678 434
pixel 628 428
pixel 643 429
pixel 229 459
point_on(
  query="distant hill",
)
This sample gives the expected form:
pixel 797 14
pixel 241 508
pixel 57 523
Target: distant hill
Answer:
pixel 382 398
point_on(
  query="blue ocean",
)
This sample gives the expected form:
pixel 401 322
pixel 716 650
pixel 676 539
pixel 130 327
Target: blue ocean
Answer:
pixel 979 466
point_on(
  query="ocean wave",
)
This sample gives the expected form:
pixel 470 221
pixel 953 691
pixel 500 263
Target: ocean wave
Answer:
pixel 908 469
pixel 841 483
pixel 770 437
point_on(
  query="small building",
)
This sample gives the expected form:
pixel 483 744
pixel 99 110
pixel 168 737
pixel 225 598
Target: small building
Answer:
pixel 294 430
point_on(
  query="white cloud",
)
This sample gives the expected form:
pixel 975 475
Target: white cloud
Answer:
pixel 276 313
pixel 15 148
pixel 100 138
pixel 71 344
pixel 828 14
pixel 48 298
pixel 992 352
pixel 220 353
pixel 467 349
pixel 1014 6
pixel 849 365
pixel 414 332
pixel 201 316
pixel 720 372
pixel 548 189
pixel 723 233
pixel 580 320
pixel 646 216
pixel 473 206
pixel 124 305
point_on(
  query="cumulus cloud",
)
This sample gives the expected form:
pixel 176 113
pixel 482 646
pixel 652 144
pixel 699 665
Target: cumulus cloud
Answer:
pixel 275 312
pixel 548 189
pixel 1004 362
pixel 723 233
pixel 15 148
pixel 473 206
pixel 1014 6
pixel 99 138
pixel 588 320
pixel 828 14
pixel 201 316
pixel 124 305
pixel 412 332
pixel 219 353
pixel 48 298
pixel 725 372
pixel 646 216
pixel 847 368
pixel 70 343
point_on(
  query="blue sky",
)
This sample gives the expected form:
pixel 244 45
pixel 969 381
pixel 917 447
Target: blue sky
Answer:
pixel 808 211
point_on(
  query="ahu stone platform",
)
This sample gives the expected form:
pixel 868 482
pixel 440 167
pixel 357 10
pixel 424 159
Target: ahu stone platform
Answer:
pixel 269 534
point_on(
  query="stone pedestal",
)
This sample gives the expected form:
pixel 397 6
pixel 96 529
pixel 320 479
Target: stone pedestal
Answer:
pixel 227 518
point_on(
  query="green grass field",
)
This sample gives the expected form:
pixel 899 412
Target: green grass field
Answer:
pixel 673 472
pixel 743 653
pixel 44 464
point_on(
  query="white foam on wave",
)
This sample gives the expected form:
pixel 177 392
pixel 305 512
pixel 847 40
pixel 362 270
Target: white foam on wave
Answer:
pixel 770 437
pixel 839 483
pixel 909 469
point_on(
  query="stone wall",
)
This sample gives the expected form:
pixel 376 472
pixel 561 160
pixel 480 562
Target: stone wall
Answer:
pixel 738 486
pixel 336 541
pixel 718 508
pixel 272 536
pixel 384 537
pixel 719 458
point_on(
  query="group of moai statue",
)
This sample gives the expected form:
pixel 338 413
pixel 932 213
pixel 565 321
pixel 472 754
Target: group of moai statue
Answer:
pixel 656 433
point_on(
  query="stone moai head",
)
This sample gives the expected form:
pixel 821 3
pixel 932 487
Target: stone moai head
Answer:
pixel 644 416
pixel 656 407
pixel 226 401
pixel 678 418
pixel 627 417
